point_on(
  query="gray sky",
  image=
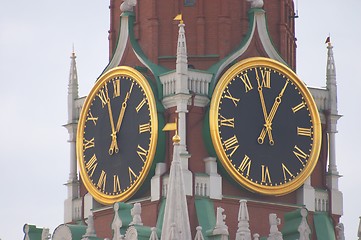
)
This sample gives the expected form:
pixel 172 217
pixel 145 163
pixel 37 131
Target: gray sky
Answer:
pixel 36 39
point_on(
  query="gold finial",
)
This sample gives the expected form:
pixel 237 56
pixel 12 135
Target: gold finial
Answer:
pixel 173 127
pixel 179 18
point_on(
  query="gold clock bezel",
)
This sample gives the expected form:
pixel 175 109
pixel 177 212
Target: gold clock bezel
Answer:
pixel 217 143
pixel 143 83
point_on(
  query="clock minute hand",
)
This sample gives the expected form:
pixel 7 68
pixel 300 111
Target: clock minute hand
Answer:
pixel 124 106
pixel 267 125
pixel 273 111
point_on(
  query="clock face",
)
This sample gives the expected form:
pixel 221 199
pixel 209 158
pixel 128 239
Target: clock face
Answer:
pixel 265 126
pixel 117 135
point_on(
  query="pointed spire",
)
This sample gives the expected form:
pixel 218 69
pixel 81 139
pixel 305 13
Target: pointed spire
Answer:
pixel 199 234
pixel 72 88
pixel 332 108
pixel 182 58
pixel 153 235
pixel 221 227
pixel 176 221
pixel 90 230
pixel 303 228
pixel 117 223
pixel 243 231
pixel 331 77
pixel 274 221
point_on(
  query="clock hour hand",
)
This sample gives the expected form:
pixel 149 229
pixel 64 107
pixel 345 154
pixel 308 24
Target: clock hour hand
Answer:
pixel 272 113
pixel 267 125
pixel 122 110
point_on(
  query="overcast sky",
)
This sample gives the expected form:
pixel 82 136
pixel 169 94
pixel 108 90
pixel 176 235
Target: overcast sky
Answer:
pixel 36 39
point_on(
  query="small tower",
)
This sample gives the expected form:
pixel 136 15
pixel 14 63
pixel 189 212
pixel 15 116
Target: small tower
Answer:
pixel 332 118
pixel 73 182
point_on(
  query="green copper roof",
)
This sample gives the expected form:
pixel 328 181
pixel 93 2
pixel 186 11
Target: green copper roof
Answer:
pixel 324 226
pixel 34 233
pixel 205 214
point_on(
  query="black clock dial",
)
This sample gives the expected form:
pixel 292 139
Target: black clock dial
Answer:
pixel 265 126
pixel 117 135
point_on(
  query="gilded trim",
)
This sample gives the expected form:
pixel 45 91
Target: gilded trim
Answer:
pixel 216 139
pixel 140 79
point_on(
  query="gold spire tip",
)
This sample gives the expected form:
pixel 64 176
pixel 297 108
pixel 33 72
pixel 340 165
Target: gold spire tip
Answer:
pixel 179 18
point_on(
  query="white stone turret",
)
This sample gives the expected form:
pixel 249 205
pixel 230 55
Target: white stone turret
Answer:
pixel 176 220
pixel 181 99
pixel 70 210
pixel 332 118
pixel 332 107
pixel 243 231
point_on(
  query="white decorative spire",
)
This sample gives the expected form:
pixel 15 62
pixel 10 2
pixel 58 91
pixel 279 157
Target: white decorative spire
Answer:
pixel 303 228
pixel 332 118
pixel 243 231
pixel 153 235
pixel 90 230
pixel 72 115
pixel 135 212
pixel 176 221
pixel 199 234
pixel 117 223
pixel 72 88
pixel 332 107
pixel 181 81
pixel 331 78
pixel 182 59
pixel 340 231
pixel 274 221
pixel 221 227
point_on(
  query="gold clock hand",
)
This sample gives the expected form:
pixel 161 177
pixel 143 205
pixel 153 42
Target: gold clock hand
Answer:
pixel 272 113
pixel 267 124
pixel 124 106
pixel 113 146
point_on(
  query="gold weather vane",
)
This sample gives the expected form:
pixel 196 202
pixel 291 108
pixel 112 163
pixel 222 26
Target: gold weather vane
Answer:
pixel 179 18
pixel 173 126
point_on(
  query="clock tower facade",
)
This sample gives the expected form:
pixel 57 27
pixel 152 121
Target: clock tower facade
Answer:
pixel 190 53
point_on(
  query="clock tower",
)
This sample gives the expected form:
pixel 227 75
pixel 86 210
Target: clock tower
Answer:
pixel 243 136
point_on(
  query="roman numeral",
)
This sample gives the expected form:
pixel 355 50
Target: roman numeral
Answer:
pixel 91 165
pixel 301 156
pixel 140 105
pixel 229 96
pixel 116 87
pixel 102 181
pixel 228 122
pixel 103 95
pixel 298 107
pixel 132 175
pixel 266 178
pixel 245 164
pixel 144 128
pixel 116 184
pixel 92 118
pixel 286 173
pixel 142 153
pixel 266 78
pixel 304 132
pixel 88 143
pixel 246 81
pixel 231 144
